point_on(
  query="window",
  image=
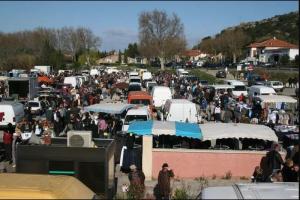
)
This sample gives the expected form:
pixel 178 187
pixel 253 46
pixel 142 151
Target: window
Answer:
pixel 131 118
pixel 239 88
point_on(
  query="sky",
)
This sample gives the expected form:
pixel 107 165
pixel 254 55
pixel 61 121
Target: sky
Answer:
pixel 116 22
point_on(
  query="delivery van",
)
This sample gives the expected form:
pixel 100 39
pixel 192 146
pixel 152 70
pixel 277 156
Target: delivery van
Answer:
pixel 147 76
pixel 181 110
pixel 139 97
pixel 11 112
pixel 136 114
pixel 160 94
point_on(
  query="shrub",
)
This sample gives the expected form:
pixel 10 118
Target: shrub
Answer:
pixel 180 193
pixel 214 177
pixel 228 175
pixel 135 192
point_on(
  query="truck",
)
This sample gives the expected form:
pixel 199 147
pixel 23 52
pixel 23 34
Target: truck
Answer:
pixel 45 69
pixel 23 88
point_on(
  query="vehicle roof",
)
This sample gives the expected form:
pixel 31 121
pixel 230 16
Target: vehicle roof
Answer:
pixel 282 190
pixel 180 101
pixel 138 93
pixel 235 82
pixel 138 111
pixel 222 86
pixel 263 88
pixel 13 103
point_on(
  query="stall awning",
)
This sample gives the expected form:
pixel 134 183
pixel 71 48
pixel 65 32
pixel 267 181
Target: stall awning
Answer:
pixel 277 99
pixel 190 130
pixel 110 108
pixel 213 131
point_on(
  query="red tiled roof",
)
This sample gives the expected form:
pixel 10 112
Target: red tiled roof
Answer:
pixel 273 42
pixel 192 53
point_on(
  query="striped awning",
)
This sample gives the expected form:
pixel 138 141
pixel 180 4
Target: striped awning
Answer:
pixel 190 130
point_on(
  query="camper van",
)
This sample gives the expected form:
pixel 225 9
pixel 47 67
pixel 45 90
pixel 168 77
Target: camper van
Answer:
pixel 239 87
pixel 256 90
pixel 181 110
pixel 160 94
pixel 11 112
pixel 136 114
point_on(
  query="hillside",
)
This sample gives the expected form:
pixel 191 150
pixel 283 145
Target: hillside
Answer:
pixel 284 27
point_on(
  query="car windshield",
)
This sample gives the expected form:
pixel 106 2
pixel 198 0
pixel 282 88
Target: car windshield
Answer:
pixel 145 102
pixel 33 104
pixel 239 88
pixel 131 118
pixel 135 80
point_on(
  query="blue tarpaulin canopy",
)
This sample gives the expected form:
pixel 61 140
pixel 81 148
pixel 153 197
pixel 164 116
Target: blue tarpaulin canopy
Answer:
pixel 182 129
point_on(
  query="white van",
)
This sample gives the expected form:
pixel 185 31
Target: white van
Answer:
pixel 136 114
pixel 133 73
pixel 135 79
pixel 11 112
pixel 73 80
pixel 239 87
pixel 146 76
pixel 256 90
pixel 181 110
pixel 182 73
pixel 160 94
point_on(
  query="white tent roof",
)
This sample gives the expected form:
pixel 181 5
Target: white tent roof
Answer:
pixel 111 108
pixel 213 131
pixel 277 99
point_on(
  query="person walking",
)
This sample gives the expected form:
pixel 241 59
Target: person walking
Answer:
pixel 164 178
pixel 274 159
pixel 137 183
pixel 7 141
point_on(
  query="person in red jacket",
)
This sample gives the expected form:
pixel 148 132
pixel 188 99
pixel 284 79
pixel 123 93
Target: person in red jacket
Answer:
pixel 7 141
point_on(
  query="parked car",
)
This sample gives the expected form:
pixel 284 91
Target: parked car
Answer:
pixel 160 94
pixel 136 114
pixel 239 87
pixel 276 85
pixel 35 107
pixel 221 74
pixel 260 90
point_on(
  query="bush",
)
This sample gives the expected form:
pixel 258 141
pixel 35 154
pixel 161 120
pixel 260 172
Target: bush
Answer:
pixel 228 175
pixel 135 192
pixel 181 193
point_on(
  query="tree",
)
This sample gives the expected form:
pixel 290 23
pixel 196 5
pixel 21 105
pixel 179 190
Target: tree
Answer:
pixel 284 59
pixel 119 57
pixel 160 35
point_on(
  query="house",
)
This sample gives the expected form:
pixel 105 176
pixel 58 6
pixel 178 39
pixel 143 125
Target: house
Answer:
pixel 137 60
pixel 272 49
pixel 113 58
pixel 194 54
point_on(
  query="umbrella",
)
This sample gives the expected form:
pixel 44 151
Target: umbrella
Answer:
pixel 121 85
pixel 182 129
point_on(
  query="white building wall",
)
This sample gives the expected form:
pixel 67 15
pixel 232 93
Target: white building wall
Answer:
pixel 293 53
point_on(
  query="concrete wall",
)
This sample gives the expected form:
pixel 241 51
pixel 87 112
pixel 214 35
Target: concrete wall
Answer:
pixel 188 163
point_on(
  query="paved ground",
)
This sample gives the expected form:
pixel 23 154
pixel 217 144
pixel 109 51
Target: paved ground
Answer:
pixel 192 186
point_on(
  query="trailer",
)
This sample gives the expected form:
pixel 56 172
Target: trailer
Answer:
pixel 23 88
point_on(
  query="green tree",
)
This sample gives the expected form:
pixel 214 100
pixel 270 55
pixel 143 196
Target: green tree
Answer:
pixel 120 57
pixel 284 59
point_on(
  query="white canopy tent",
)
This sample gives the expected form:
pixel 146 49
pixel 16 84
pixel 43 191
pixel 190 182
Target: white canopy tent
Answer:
pixel 276 99
pixel 213 131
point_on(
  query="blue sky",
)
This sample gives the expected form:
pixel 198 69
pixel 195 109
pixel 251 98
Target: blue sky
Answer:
pixel 116 22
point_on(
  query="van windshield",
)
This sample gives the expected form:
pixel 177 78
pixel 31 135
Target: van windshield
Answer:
pixel 33 104
pixel 239 88
pixel 145 102
pixel 131 118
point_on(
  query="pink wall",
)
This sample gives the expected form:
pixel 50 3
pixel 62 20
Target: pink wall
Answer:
pixel 195 163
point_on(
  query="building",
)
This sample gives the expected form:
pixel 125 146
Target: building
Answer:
pixel 195 54
pixel 113 58
pixel 272 49
pixel 137 60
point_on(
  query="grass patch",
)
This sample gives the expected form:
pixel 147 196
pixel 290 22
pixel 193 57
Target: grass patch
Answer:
pixel 203 75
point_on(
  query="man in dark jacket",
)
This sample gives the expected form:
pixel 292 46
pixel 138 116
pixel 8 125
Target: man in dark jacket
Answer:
pixel 164 178
pixel 274 159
